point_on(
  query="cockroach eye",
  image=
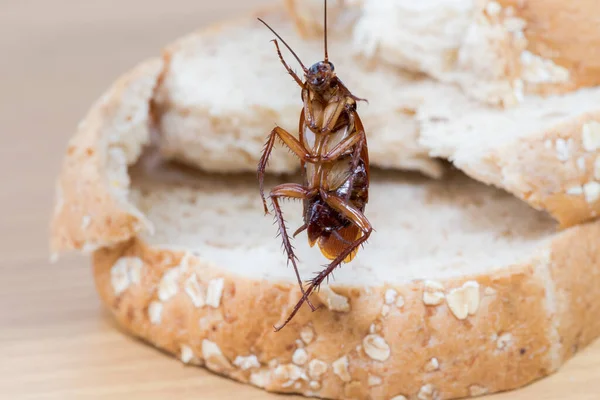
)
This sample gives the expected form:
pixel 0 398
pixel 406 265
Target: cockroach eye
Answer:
pixel 314 69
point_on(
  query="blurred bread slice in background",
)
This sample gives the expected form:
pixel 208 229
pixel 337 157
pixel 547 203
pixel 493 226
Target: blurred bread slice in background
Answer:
pixel 495 51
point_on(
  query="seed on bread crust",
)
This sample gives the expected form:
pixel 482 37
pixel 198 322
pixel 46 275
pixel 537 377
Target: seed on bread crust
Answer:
pixel 246 362
pixel 215 360
pixel 307 334
pixel 433 293
pixel 290 373
pixel 427 392
pixel 261 378
pixel 432 365
pixel 214 292
pixel 86 220
pixel 155 312
pixel 169 284
pixel 575 190
pixel 314 385
pixel 376 347
pixel 374 380
pixel 334 301
pixel 390 296
pixel 590 136
pixel 187 354
pixel 125 272
pixel 340 368
pixel 591 191
pixel 464 301
pixel 563 152
pixel 399 301
pixel 476 390
pixel 300 357
pixel 316 368
pixel 194 291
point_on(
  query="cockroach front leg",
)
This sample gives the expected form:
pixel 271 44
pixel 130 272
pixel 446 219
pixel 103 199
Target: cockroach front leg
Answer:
pixel 345 88
pixel 287 67
pixel 291 142
pixel 355 216
pixel 293 191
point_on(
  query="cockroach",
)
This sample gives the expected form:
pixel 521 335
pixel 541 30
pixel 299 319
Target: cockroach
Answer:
pixel 334 161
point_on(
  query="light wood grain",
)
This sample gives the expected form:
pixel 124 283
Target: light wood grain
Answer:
pixel 56 341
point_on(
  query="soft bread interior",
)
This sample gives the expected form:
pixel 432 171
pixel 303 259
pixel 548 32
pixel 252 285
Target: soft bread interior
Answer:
pixel 424 229
pixel 225 89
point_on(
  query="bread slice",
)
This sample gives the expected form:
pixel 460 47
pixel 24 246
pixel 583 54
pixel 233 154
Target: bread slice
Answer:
pixel 463 289
pixel 215 114
pixel 494 50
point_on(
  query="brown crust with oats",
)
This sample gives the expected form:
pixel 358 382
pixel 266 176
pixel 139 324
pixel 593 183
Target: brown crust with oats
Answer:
pixel 530 319
pixel 462 324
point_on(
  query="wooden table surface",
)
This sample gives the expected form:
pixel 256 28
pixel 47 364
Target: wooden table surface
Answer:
pixel 56 341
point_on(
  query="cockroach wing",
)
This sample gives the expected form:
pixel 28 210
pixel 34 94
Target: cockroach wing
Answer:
pixel 339 174
pixel 308 138
pixel 337 136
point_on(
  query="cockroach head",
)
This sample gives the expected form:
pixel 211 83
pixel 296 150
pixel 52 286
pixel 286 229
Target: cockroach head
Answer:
pixel 320 74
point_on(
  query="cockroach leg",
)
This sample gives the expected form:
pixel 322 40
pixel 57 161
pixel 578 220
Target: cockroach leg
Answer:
pixel 348 210
pixel 287 67
pixel 356 217
pixel 294 191
pixel 340 238
pixel 331 115
pixel 345 88
pixel 291 142
pixel 302 228
pixel 308 109
pixel 342 147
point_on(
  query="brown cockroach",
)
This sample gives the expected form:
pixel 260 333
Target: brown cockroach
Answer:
pixel 332 149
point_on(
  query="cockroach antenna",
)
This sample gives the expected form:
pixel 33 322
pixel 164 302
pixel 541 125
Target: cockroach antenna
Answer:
pixel 284 42
pixel 325 29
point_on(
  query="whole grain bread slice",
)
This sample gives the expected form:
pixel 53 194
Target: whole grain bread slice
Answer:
pixel 463 289
pixel 224 89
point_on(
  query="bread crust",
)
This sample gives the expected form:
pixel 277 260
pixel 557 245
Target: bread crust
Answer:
pixel 530 319
pixel 89 208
